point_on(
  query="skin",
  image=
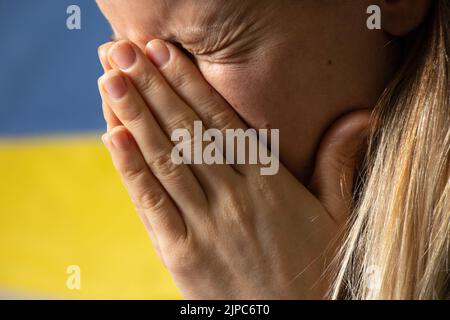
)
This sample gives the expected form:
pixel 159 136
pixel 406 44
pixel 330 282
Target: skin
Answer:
pixel 219 241
pixel 292 65
pixel 296 66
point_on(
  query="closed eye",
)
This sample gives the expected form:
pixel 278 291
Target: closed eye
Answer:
pixel 189 54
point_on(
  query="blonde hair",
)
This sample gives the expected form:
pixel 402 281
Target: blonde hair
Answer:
pixel 397 246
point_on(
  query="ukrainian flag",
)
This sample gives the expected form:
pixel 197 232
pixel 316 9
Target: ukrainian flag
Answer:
pixel 61 203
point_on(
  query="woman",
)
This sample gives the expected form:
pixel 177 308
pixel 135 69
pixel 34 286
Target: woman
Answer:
pixel 226 231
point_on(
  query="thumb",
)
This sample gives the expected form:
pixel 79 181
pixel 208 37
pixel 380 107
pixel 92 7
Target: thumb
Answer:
pixel 338 156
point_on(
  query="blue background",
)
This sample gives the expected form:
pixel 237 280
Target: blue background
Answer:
pixel 48 74
pixel 61 201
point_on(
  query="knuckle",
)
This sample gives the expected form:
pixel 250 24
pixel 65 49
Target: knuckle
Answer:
pixel 184 121
pixel 150 201
pixel 131 114
pixel 181 78
pixel 133 173
pixel 149 83
pixel 164 167
pixel 221 120
pixel 185 257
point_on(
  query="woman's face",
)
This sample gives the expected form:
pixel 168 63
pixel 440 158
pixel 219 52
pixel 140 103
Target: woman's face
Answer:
pixel 293 65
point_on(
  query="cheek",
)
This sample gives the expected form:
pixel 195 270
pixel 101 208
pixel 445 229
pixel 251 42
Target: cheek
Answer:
pixel 267 98
pixel 271 94
pixel 249 90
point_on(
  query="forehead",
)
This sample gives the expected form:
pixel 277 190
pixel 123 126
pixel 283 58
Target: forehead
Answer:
pixel 142 20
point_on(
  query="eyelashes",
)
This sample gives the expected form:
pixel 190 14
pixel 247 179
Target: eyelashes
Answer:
pixel 189 54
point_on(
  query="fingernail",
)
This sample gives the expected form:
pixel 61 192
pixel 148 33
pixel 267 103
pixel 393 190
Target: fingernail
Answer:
pixel 102 52
pixel 123 55
pixel 158 52
pixel 105 139
pixel 120 140
pixel 115 87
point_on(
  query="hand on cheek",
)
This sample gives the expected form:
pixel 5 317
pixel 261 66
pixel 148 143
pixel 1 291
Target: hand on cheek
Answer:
pixel 223 231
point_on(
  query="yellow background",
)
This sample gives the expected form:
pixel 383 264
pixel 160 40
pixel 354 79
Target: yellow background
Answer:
pixel 62 204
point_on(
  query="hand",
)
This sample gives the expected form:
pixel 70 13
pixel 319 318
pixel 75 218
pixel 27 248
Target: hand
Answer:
pixel 223 231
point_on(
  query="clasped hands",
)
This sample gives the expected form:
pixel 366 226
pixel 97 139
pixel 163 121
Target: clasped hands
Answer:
pixel 224 231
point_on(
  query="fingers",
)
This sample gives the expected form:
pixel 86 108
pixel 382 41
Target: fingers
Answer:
pixel 170 111
pixel 185 78
pixel 106 138
pixel 337 160
pixel 111 120
pixel 119 93
pixel 110 117
pixel 187 81
pixel 165 223
pixel 103 55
